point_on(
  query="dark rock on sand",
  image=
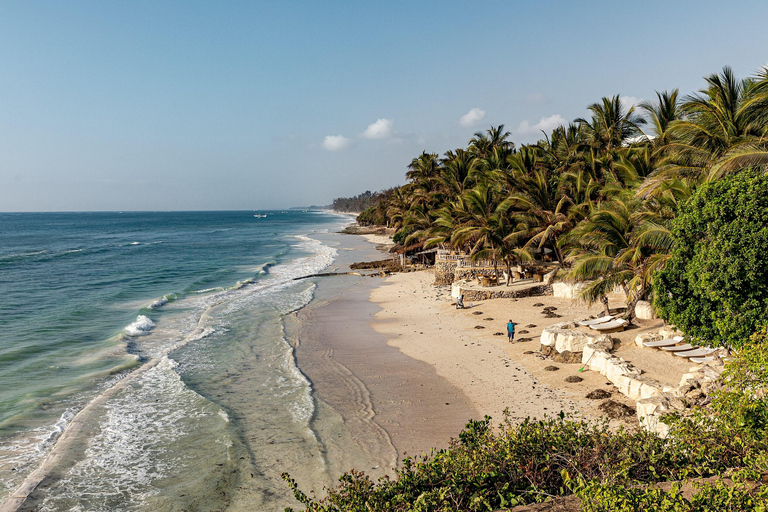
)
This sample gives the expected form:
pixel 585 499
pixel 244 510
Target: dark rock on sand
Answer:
pixel 522 332
pixel 529 352
pixel 477 312
pixel 498 334
pixel 530 326
pixel 479 327
pixel 573 378
pixel 538 305
pixel 551 368
pixel 489 318
pixel 616 410
pixel 523 340
pixel 598 394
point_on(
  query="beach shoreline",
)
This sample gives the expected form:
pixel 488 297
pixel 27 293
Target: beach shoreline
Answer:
pixel 406 371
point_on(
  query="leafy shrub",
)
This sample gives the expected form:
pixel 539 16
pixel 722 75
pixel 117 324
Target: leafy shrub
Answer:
pixel 715 284
pixel 717 497
pixel 401 235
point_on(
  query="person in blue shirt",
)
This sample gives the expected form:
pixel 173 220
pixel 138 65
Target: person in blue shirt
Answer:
pixel 511 331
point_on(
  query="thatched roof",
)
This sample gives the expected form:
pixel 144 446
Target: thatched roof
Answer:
pixel 406 249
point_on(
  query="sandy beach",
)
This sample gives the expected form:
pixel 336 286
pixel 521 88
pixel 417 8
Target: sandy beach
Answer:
pixel 406 370
pixel 463 347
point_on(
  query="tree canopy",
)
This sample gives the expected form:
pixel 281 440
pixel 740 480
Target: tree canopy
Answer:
pixel 599 195
pixel 715 283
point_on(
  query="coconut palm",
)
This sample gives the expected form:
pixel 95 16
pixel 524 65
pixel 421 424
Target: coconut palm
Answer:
pixel 487 229
pixel 611 125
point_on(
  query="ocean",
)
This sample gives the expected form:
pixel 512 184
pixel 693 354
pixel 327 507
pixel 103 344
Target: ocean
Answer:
pixel 145 363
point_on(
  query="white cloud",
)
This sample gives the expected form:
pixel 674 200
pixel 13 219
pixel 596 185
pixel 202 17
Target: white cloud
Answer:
pixel 545 124
pixel 472 117
pixel 381 129
pixel 336 142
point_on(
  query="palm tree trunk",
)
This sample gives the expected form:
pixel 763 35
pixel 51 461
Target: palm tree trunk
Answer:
pixel 604 300
pixel 632 304
pixel 554 274
pixel 508 263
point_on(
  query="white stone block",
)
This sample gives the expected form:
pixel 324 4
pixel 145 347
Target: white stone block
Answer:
pixel 644 310
pixel 567 290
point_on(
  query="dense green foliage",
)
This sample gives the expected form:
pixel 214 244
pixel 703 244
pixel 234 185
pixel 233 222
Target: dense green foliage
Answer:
pixel 361 202
pixel 716 497
pixel 598 195
pixel 486 469
pixel 714 284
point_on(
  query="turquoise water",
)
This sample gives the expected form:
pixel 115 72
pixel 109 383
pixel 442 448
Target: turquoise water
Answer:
pixel 162 334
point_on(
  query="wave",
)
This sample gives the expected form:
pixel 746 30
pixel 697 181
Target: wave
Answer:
pixel 162 301
pixel 141 327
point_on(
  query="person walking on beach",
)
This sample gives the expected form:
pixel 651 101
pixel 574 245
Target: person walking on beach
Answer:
pixel 511 331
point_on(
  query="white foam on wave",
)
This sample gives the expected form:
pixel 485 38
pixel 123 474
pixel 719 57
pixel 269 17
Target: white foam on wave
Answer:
pixel 138 443
pixel 162 301
pixel 141 327
pixel 20 454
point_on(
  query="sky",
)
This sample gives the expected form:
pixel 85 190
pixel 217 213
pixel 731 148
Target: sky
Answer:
pixel 226 105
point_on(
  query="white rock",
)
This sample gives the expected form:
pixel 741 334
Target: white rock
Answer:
pixel 669 331
pixel 644 310
pixel 567 290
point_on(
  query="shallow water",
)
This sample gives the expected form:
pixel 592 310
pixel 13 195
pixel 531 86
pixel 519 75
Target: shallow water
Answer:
pixel 165 334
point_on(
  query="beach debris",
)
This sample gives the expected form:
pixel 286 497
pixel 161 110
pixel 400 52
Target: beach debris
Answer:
pixel 479 327
pixel 477 312
pixel 530 326
pixel 598 394
pixel 616 410
pixel 529 352
pixel 573 379
pixel 498 334
pixel 538 305
pixel 489 318
pixel 551 368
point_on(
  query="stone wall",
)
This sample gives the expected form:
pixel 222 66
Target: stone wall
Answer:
pixel 444 271
pixel 504 293
pixel 567 290
pixel 564 337
pixel 653 399
pixel 470 273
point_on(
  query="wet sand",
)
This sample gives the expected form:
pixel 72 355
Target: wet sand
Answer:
pixel 392 404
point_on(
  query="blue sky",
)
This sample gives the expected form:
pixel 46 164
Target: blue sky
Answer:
pixel 256 105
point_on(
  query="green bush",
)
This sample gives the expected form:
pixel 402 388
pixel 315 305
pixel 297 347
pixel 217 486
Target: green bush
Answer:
pixel 717 497
pixel 715 284
pixel 401 235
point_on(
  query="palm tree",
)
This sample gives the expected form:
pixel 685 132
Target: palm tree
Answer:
pixel 722 129
pixel 611 125
pixel 620 245
pixel 483 144
pixel 661 114
pixel 487 229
